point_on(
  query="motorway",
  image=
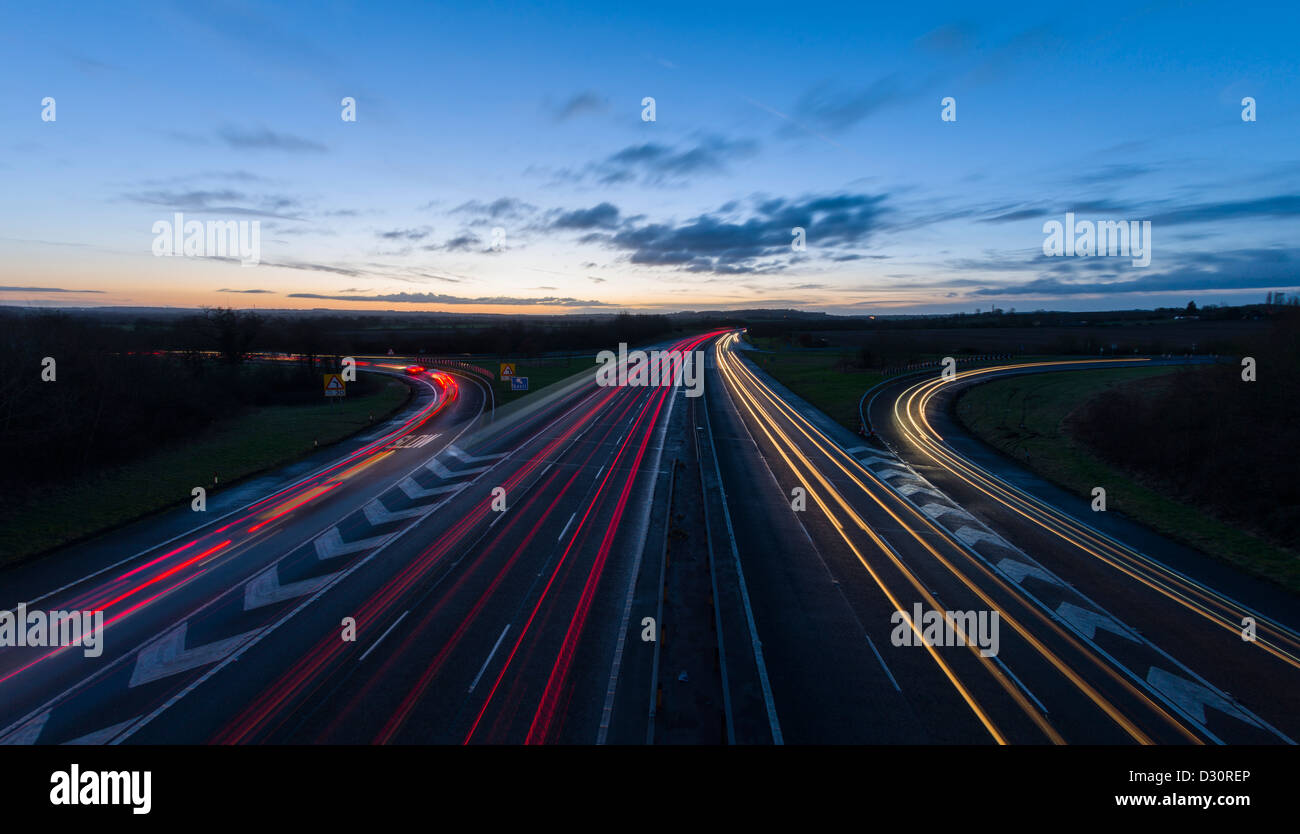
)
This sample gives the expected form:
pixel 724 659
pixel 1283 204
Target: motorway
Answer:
pixel 633 565
pixel 879 535
pixel 449 581
pixel 1187 604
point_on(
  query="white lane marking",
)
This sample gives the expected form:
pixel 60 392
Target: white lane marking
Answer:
pixel 598 471
pixel 265 588
pixel 1017 572
pixel 331 544
pixel 566 526
pixel 29 731
pixel 883 665
pixel 413 441
pixel 500 515
pixel 773 723
pixel 936 510
pixel 453 449
pixel 241 508
pixel 415 492
pixel 130 655
pixel 168 656
pixel 491 654
pixel 1192 698
pixel 1088 622
pixel 376 513
pixel 972 536
pixel 911 489
pixel 382 636
pixel 443 472
pixel 1019 683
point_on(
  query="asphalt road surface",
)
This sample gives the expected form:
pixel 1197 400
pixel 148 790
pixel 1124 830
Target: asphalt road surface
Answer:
pixel 638 564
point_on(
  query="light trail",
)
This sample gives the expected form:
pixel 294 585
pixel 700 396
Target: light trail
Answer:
pixel 833 453
pixel 1217 608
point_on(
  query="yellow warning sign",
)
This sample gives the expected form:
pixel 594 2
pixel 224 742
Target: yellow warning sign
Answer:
pixel 507 370
pixel 334 386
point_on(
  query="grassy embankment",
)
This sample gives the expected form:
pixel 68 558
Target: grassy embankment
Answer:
pixel 995 410
pixel 829 379
pixel 256 440
pixel 541 372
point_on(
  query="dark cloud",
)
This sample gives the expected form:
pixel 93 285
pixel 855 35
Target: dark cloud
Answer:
pixel 1284 205
pixel 1244 269
pixel 220 201
pixel 1018 214
pixel 1011 215
pixel 438 298
pixel 1109 174
pixel 584 103
pixel 760 243
pixel 311 267
pixel 244 291
pixel 405 234
pixel 830 108
pixel 656 163
pixel 602 216
pixel 1159 213
pixel 462 243
pixel 503 208
pixel 264 139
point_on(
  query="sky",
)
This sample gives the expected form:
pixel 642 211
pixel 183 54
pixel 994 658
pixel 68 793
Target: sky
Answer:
pixel 502 160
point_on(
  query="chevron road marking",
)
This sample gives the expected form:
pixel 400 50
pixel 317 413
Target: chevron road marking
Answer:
pixel 168 656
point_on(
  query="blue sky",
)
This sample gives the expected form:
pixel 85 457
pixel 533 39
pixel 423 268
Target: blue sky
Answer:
pixel 527 118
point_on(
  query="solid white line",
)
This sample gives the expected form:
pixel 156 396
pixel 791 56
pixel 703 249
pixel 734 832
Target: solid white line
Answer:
pixel 876 652
pixel 500 515
pixel 566 526
pixel 1019 683
pixel 382 636
pixel 773 723
pixel 491 654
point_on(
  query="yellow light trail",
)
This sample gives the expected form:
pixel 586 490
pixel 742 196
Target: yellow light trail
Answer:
pixel 1124 559
pixel 799 421
pixel 965 694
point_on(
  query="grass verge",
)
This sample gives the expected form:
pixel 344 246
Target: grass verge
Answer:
pixel 258 440
pixel 541 372
pixel 1027 418
pixel 826 378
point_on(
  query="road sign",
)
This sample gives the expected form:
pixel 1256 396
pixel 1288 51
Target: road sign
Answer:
pixel 334 386
pixel 518 383
pixel 507 370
